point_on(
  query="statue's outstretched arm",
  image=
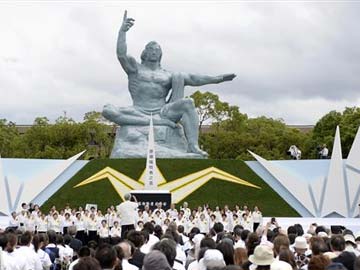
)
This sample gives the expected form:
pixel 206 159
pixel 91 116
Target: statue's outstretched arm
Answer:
pixel 198 80
pixel 127 62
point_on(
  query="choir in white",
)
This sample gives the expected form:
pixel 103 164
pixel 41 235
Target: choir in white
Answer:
pixel 92 223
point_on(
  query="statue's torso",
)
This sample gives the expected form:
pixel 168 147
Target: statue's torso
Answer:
pixel 149 88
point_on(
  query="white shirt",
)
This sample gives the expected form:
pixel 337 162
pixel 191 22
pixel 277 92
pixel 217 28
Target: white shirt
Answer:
pixel 128 212
pixel 71 266
pixel 7 262
pixel 79 224
pixel 42 225
pixel 44 258
pixel 203 226
pixel 103 232
pixel 65 253
pixel 55 224
pixel 115 232
pixel 128 266
pixel 13 222
pixel 32 260
pixel 147 247
pixel 91 225
pixel 257 217
pixel 193 266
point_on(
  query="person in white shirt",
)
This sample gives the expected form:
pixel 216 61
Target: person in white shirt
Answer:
pixel 115 233
pixel 217 214
pixel 54 223
pixel 191 223
pixel 65 251
pixel 152 239
pixel 127 211
pixel 7 262
pixel 203 224
pixel 126 247
pixel 173 213
pixel 92 228
pixel 104 232
pixel 246 222
pixel 187 211
pixel 39 241
pixel 80 227
pixel 30 222
pixel 256 218
pixel 158 218
pixel 32 260
pixel 324 152
pixel 110 217
pixel 14 221
pixel 42 223
pixel 83 252
pixel 140 225
pixel 66 222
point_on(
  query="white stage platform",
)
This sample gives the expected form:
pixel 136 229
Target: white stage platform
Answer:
pixel 350 223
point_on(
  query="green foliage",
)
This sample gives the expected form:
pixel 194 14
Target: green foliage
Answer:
pixel 267 137
pixel 210 108
pixel 8 132
pixel 63 139
pixel 215 192
pixel 324 130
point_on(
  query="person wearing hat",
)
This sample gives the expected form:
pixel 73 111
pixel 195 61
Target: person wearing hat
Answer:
pixel 262 258
pixel 350 244
pixel 300 248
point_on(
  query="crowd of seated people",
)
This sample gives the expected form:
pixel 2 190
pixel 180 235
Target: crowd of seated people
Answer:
pixel 181 239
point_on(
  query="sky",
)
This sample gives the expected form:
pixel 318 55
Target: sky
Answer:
pixel 294 61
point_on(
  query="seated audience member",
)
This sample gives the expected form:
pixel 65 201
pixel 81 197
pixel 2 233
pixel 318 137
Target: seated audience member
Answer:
pixel 26 252
pixel 156 260
pixel 126 248
pixel 168 247
pixel 87 263
pixel 240 256
pixel 213 259
pixel 318 262
pixel 137 239
pixel 300 248
pixel 106 256
pixel 83 252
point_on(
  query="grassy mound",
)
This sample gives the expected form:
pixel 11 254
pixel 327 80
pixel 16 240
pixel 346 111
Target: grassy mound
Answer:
pixel 215 192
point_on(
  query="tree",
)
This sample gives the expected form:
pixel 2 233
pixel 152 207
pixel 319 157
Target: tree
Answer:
pixel 210 108
pixel 324 130
pixel 232 133
pixel 64 138
pixel 8 133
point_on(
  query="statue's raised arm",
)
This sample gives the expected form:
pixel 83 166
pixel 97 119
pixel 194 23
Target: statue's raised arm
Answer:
pixel 127 62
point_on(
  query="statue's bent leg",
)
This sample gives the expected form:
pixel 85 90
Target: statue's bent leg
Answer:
pixel 125 116
pixel 184 109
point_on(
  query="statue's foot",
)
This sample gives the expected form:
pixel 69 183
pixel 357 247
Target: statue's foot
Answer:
pixel 192 148
pixel 164 122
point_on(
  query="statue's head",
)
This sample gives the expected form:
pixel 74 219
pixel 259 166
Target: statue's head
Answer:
pixel 152 52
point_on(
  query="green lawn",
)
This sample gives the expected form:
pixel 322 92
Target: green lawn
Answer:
pixel 215 192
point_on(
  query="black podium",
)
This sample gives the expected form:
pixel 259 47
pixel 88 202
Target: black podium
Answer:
pixel 152 197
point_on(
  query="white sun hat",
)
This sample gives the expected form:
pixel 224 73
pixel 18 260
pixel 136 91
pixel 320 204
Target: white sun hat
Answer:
pixel 263 255
pixel 300 243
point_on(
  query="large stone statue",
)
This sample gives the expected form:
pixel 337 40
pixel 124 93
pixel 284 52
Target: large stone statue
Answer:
pixel 160 93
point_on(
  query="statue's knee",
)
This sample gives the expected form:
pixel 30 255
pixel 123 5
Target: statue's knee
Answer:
pixel 108 111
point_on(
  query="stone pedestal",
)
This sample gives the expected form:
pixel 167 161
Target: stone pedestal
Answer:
pixel 132 142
